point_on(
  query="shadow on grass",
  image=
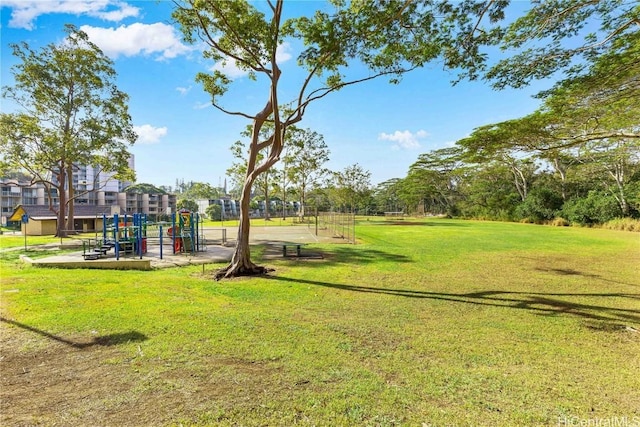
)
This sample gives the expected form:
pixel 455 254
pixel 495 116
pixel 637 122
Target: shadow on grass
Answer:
pixel 357 255
pixel 105 341
pixel 572 272
pixel 336 254
pixel 545 304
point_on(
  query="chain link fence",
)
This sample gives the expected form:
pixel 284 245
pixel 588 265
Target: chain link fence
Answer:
pixel 340 225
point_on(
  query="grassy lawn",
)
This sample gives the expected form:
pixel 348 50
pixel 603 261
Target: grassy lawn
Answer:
pixel 436 322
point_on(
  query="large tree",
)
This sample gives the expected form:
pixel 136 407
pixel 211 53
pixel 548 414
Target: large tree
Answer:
pixel 389 38
pixel 71 114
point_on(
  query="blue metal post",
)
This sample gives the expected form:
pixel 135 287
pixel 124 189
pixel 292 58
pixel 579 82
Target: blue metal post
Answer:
pixel 140 234
pixel 160 241
pixel 116 238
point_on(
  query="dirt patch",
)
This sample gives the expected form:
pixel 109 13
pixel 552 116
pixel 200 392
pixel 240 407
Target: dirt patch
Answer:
pixel 48 382
pixel 45 382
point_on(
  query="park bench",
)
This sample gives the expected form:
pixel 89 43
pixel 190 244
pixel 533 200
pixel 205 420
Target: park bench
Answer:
pixel 298 247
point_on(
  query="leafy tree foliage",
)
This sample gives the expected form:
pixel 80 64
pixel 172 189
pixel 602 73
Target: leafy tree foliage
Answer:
pixel 187 204
pixel 307 153
pixel 214 212
pixel 387 197
pixel 142 188
pixel 71 114
pixel 351 188
pixel 560 34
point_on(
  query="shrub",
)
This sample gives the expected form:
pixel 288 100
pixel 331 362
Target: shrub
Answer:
pixel 597 208
pixel 540 205
pixel 214 211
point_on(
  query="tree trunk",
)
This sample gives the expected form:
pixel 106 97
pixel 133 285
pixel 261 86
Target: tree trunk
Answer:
pixel 241 264
pixel 62 204
pixel 302 201
pixel 618 176
pixel 563 178
pixel 70 227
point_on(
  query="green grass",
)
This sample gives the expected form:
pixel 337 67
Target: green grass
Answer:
pixel 440 322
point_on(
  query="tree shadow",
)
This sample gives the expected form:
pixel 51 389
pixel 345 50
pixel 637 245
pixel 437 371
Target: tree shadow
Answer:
pixel 544 304
pixel 337 254
pixel 104 341
pixel 359 255
pixel 572 272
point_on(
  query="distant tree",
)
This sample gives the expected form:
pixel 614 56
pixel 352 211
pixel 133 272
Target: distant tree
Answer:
pixel 214 212
pixel 187 204
pixel 143 188
pixel 352 187
pixel 387 196
pixel 488 192
pixel 434 179
pixel 72 114
pixel 307 153
pixel 201 191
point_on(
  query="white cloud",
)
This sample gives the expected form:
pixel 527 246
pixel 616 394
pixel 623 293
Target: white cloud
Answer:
pixel 283 53
pixel 404 139
pixel 148 134
pixel 201 105
pixel 137 39
pixel 25 12
pixel 183 90
pixel 231 70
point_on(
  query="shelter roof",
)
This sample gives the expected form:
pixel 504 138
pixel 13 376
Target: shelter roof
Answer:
pixel 42 212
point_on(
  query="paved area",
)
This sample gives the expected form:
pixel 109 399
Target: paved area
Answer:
pixel 218 249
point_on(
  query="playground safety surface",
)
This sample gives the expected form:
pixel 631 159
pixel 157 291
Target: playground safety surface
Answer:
pixel 219 252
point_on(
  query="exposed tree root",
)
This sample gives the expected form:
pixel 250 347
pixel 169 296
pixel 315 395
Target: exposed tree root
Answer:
pixel 239 269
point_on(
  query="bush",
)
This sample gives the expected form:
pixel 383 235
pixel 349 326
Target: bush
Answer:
pixel 596 208
pixel 214 212
pixel 540 205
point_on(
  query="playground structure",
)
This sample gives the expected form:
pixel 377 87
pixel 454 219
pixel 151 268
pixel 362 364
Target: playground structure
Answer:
pixel 186 233
pixel 132 235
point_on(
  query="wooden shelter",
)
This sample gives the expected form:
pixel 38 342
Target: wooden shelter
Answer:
pixel 42 221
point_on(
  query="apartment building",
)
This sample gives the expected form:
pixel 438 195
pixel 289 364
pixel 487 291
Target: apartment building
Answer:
pixel 14 193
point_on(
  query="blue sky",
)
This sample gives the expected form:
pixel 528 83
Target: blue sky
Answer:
pixel 380 126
